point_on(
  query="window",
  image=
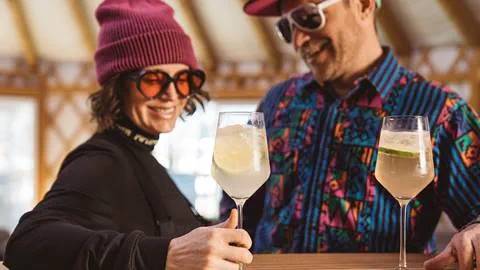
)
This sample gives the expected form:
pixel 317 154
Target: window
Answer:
pixel 18 131
pixel 187 154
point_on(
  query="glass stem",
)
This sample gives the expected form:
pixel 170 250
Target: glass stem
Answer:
pixel 240 215
pixel 240 224
pixel 402 264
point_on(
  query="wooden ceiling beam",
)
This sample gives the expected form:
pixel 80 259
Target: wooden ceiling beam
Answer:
pixel 236 94
pixel 24 32
pixel 394 31
pixel 80 15
pixel 267 39
pixel 464 20
pixel 20 92
pixel 198 26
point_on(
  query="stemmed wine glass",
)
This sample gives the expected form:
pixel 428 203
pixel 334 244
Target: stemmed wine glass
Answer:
pixel 404 164
pixel 240 158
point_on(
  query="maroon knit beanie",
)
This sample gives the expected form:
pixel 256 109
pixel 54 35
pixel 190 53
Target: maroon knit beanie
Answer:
pixel 138 33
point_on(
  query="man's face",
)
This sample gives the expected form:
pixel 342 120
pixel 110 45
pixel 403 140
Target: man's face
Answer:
pixel 328 52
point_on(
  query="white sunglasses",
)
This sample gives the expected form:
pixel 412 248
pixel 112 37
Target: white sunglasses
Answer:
pixel 308 17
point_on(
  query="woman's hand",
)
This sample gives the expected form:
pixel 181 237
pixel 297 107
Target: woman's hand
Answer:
pixel 209 247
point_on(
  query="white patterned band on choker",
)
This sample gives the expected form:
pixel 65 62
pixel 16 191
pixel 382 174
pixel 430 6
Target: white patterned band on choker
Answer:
pixel 136 137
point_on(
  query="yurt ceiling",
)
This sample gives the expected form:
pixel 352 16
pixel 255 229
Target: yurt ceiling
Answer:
pixel 65 30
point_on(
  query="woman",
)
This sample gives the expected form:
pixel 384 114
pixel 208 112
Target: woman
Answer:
pixel 4 234
pixel 113 206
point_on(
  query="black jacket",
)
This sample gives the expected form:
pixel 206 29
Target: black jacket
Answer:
pixel 113 206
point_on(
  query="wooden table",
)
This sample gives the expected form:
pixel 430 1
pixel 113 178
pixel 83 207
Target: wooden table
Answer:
pixel 333 261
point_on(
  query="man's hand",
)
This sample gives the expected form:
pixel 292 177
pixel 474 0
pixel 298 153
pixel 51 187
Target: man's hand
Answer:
pixel 463 248
pixel 210 247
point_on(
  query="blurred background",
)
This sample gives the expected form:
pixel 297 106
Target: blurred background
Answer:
pixel 46 74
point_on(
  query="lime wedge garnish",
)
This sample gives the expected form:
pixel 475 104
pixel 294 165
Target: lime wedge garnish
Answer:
pixel 400 153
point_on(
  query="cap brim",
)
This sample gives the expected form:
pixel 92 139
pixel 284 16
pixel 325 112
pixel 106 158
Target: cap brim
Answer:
pixel 262 8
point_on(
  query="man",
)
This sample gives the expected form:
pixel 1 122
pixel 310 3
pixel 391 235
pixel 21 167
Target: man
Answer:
pixel 323 129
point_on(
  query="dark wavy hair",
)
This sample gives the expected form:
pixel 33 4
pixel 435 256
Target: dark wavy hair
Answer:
pixel 106 104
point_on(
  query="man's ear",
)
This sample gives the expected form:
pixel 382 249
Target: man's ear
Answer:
pixel 363 9
pixel 366 8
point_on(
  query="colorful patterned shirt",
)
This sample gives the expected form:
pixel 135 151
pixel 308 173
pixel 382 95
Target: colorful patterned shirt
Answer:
pixel 322 195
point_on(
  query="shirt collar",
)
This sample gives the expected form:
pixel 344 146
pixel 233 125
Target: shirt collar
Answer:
pixel 381 77
pixel 129 129
pixel 385 73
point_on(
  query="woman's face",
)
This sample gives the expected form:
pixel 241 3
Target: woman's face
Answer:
pixel 157 115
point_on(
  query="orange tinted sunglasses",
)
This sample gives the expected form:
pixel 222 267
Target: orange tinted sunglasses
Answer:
pixel 153 83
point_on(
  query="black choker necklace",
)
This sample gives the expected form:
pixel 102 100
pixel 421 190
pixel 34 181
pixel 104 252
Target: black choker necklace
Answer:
pixel 136 137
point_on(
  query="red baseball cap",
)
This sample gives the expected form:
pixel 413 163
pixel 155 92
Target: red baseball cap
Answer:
pixel 272 7
pixel 262 8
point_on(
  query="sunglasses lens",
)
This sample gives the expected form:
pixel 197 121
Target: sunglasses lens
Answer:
pixel 284 30
pixel 183 87
pixel 188 81
pixel 307 18
pixel 151 83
